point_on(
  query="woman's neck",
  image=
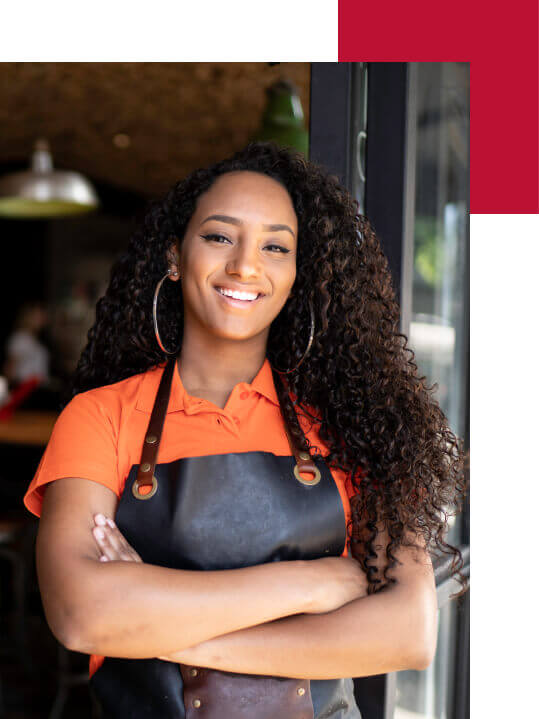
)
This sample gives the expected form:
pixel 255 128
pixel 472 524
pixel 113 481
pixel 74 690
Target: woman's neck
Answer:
pixel 212 368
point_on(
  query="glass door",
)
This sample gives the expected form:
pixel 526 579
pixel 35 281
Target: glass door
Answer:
pixel 397 134
pixel 435 306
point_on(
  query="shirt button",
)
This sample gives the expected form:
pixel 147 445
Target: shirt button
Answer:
pixel 244 395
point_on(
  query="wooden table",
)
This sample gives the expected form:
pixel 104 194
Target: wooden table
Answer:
pixel 30 427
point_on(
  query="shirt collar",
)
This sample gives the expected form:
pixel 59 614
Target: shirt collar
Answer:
pixel 262 383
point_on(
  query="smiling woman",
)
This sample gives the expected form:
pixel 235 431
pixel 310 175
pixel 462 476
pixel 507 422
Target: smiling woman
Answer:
pixel 237 268
pixel 275 482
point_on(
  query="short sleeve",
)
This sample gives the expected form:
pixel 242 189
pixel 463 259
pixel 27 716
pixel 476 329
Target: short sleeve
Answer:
pixel 83 444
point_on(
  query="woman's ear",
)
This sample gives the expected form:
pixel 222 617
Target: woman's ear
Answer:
pixel 173 261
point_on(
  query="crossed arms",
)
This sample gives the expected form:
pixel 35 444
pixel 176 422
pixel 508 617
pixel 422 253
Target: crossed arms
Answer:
pixel 305 619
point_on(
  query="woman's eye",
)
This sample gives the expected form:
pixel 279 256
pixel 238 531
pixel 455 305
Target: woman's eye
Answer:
pixel 282 249
pixel 215 237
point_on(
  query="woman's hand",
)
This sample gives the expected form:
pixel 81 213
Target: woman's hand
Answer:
pixel 336 581
pixel 111 542
pixel 114 547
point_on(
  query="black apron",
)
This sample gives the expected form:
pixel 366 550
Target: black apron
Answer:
pixel 214 512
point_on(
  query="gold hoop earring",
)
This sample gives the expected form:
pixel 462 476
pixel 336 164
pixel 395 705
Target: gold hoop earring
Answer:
pixel 155 327
pixel 311 337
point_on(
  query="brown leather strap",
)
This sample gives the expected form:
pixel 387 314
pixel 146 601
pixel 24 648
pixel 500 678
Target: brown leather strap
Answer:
pixel 152 440
pixel 305 465
pixel 212 694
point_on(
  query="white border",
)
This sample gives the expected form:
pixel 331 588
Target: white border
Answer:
pixel 504 439
pixel 171 31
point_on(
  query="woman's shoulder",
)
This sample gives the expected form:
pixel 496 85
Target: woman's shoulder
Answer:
pixel 114 399
pixel 84 440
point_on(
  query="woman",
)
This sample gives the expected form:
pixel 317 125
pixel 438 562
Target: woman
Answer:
pixel 287 391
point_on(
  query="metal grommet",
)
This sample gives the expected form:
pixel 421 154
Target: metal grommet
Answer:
pixel 307 482
pixel 196 703
pixel 149 494
pixel 145 467
pixel 193 672
pixel 304 455
pixel 151 439
pixel 301 691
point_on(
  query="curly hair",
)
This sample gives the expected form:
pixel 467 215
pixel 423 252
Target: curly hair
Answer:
pixel 359 382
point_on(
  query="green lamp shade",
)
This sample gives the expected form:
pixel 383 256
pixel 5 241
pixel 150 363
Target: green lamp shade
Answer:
pixel 23 208
pixel 282 121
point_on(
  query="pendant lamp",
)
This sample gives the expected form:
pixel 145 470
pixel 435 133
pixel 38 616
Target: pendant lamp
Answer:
pixel 43 192
pixel 282 120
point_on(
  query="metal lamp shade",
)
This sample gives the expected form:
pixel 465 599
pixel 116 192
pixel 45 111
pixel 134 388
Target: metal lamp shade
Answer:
pixel 44 192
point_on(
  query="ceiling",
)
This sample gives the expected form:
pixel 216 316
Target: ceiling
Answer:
pixel 136 126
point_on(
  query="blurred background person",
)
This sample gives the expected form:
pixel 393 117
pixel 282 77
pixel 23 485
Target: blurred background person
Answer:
pixel 27 357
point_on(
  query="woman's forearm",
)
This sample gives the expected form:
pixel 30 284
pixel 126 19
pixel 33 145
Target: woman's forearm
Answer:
pixel 133 610
pixel 389 631
pixel 125 608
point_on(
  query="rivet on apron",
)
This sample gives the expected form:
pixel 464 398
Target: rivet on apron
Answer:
pixel 193 672
pixel 301 691
pixel 145 467
pixel 196 703
pixel 151 439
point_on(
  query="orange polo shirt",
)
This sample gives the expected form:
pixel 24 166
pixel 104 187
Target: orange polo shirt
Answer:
pixel 99 434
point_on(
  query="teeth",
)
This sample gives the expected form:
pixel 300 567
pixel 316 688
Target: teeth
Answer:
pixel 238 295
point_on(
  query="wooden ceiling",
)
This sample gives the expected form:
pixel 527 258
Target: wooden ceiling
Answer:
pixel 176 116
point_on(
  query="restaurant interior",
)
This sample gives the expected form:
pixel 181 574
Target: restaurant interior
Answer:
pixel 83 148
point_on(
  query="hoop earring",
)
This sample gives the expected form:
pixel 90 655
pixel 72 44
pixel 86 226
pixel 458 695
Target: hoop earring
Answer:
pixel 155 328
pixel 311 337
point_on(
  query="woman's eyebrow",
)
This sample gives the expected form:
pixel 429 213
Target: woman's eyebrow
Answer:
pixel 277 228
pixel 236 221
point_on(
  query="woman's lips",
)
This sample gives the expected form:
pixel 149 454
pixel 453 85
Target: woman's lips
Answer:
pixel 232 302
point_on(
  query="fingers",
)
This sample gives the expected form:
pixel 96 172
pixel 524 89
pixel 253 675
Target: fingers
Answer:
pixel 111 542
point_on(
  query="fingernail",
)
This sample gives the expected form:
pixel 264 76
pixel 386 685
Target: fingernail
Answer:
pixel 99 533
pixel 100 519
pixel 103 558
pixel 110 522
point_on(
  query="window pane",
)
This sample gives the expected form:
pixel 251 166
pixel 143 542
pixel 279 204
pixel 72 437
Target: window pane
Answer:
pixel 436 307
pixel 438 303
pixel 428 694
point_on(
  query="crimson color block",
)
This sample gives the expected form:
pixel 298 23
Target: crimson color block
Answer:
pixel 500 41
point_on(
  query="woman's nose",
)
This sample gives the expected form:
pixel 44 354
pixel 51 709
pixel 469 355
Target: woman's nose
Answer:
pixel 245 261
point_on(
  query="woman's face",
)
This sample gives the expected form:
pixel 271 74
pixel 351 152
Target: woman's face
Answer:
pixel 242 238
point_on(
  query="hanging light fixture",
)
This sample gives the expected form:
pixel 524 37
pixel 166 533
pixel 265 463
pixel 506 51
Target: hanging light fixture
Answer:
pixel 282 120
pixel 43 192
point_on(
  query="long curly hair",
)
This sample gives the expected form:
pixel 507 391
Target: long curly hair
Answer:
pixel 359 382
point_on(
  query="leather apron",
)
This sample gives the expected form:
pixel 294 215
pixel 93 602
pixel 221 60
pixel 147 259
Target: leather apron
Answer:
pixel 214 512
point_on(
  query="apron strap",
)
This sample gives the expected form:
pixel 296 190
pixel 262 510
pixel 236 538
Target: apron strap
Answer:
pixel 152 440
pixel 304 463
